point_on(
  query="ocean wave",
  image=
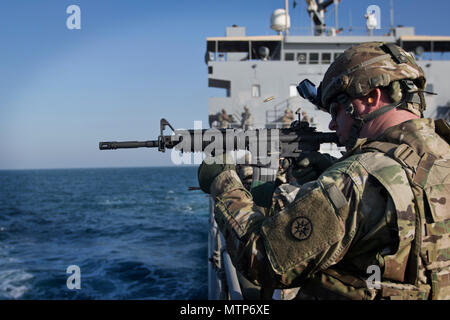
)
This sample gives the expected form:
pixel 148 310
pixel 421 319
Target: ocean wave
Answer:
pixel 135 233
pixel 14 283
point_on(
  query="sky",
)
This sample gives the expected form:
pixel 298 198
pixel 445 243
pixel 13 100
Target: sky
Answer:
pixel 132 63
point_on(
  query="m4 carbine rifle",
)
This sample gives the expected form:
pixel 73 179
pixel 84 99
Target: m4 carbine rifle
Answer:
pixel 291 142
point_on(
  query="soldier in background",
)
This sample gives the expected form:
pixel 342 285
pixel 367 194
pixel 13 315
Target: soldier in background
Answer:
pixel 287 118
pixel 246 119
pixel 383 206
pixel 305 117
pixel 224 119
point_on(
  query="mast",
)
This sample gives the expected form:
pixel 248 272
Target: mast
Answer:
pixel 392 17
pixel 316 9
pixel 286 7
pixel 336 25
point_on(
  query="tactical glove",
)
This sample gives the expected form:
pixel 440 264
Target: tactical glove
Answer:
pixel 262 193
pixel 208 172
pixel 310 165
pixel 263 185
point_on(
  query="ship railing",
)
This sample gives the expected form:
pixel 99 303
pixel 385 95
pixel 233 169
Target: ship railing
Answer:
pixel 234 288
pixel 223 283
pixel 331 31
pixel 277 111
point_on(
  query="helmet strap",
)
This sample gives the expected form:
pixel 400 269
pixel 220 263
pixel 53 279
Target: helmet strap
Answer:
pixel 359 121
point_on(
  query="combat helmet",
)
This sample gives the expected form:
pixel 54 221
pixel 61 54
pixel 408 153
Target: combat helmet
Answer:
pixel 361 69
pixel 367 66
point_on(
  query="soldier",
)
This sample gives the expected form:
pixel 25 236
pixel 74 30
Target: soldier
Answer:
pixel 224 119
pixel 382 209
pixel 247 119
pixel 287 118
pixel 305 117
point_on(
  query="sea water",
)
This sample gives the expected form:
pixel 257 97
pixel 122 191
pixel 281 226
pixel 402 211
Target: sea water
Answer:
pixel 134 233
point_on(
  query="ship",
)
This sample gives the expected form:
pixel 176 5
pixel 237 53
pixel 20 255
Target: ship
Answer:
pixel 261 74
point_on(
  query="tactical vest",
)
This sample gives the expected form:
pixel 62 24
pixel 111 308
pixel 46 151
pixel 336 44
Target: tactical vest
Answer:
pixel 420 268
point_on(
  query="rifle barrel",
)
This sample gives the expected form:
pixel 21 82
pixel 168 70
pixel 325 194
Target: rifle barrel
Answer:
pixel 111 145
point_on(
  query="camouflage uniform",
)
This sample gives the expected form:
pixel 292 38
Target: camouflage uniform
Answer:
pixel 384 204
pixel 224 120
pixel 360 212
pixel 287 118
pixel 305 117
pixel 245 172
pixel 247 119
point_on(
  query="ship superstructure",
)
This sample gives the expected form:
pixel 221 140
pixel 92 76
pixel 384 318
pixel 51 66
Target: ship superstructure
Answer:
pixel 262 72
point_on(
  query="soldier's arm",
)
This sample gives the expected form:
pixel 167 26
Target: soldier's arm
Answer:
pixel 309 235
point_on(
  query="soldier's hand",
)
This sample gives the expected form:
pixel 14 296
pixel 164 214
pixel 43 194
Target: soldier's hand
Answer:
pixel 309 166
pixel 211 168
pixel 262 193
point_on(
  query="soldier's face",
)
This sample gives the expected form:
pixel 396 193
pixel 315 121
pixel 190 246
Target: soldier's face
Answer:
pixel 340 122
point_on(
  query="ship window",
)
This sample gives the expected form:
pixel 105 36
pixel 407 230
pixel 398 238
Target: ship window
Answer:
pixel 326 58
pixel 302 57
pixel 289 56
pixel 293 90
pixel 256 90
pixel 313 58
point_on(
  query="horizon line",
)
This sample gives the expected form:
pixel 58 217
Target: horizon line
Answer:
pixel 113 167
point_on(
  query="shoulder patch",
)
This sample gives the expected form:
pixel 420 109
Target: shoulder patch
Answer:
pixel 305 229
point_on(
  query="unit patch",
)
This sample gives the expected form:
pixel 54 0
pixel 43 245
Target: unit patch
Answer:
pixel 301 228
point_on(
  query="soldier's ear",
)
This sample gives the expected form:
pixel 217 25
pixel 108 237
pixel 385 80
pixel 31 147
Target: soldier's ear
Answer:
pixel 374 98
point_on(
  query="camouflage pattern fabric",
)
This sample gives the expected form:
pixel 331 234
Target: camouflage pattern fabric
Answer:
pixel 245 173
pixel 284 195
pixel 246 120
pixel 359 213
pixel 224 120
pixel 426 161
pixel 287 118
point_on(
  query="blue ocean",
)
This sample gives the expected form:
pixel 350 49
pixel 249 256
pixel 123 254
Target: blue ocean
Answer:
pixel 134 233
